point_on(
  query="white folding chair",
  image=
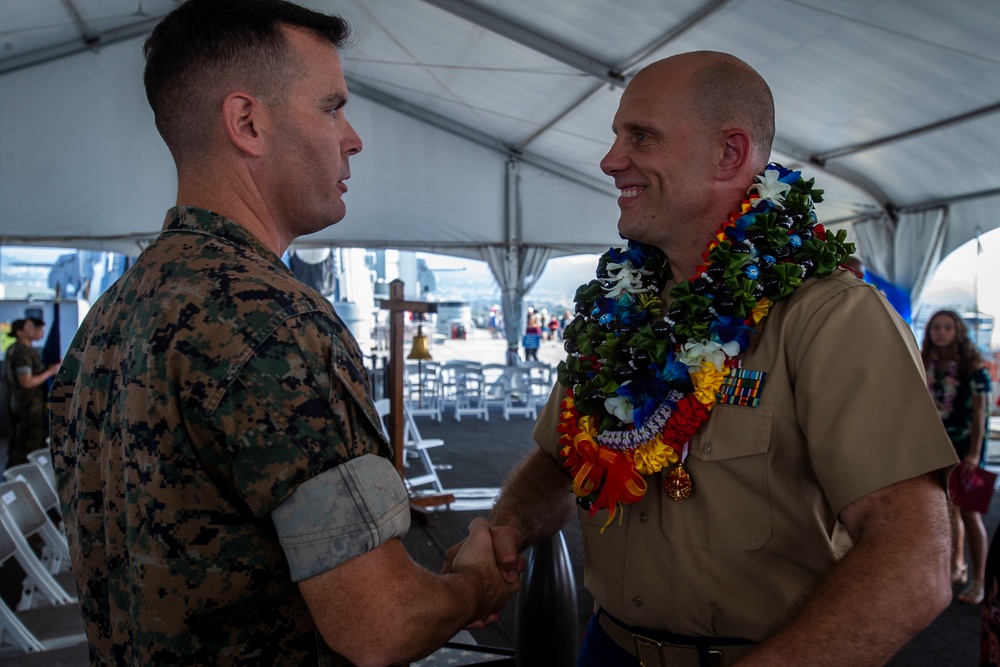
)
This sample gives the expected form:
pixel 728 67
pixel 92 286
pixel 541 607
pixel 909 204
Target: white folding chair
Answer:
pixel 447 383
pixel 421 389
pixel 494 384
pixel 517 396
pixel 43 459
pixel 36 630
pixel 32 475
pixel 414 446
pixel 470 395
pixel 22 518
pixel 12 630
pixel 541 379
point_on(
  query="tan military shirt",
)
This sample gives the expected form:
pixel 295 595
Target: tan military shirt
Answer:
pixel 843 412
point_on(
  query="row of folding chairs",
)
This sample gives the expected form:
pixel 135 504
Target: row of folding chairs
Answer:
pixel 31 535
pixel 470 389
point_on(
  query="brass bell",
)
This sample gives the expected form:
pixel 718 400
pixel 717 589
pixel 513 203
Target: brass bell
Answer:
pixel 419 351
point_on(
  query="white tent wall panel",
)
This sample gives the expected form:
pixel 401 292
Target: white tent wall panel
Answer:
pixel 969 217
pixel 414 186
pixel 564 216
pixel 583 136
pixel 80 154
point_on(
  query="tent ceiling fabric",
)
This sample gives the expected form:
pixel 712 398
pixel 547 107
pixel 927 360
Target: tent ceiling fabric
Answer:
pixel 893 105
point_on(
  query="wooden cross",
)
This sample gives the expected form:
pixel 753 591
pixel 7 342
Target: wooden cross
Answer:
pixel 397 306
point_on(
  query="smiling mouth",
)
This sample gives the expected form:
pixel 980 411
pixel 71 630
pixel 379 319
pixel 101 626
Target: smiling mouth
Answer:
pixel 629 193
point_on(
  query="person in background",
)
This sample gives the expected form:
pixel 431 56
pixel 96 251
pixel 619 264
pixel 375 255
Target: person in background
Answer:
pixel 543 322
pixel 26 378
pixel 39 324
pixel 553 327
pixel 494 322
pixel 756 464
pixel 532 338
pixel 229 497
pixel 960 384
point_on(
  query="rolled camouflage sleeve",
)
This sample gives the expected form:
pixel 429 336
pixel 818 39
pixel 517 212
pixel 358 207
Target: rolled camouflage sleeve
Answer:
pixel 341 514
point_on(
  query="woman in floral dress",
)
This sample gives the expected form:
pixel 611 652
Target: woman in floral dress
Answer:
pixel 959 382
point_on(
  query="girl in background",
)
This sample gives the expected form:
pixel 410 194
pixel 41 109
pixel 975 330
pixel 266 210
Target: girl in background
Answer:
pixel 959 382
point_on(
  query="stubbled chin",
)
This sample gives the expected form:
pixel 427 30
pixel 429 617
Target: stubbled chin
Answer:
pixel 626 228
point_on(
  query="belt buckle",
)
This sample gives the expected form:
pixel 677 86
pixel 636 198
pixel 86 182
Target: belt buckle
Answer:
pixel 650 653
pixel 647 651
pixel 714 658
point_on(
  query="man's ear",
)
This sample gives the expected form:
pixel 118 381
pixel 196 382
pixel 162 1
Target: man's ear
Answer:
pixel 736 146
pixel 242 114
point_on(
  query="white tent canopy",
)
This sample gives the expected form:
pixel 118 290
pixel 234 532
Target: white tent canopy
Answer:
pixel 484 120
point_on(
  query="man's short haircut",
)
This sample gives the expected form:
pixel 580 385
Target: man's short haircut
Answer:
pixel 728 92
pixel 37 321
pixel 205 49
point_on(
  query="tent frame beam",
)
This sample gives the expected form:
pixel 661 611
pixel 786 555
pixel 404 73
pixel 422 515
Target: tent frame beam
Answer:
pixel 81 25
pixel 948 201
pixel 534 41
pixel 92 43
pixel 635 60
pixel 823 158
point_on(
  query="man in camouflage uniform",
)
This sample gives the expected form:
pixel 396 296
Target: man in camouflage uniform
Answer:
pixel 26 377
pixel 227 490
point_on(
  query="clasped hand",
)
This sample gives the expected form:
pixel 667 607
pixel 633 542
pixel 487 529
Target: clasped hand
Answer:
pixel 494 552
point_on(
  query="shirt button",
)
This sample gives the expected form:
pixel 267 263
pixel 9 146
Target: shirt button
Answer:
pixel 637 601
pixel 643 517
pixel 706 447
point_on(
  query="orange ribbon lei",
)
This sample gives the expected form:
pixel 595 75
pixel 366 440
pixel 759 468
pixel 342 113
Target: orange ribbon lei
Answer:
pixel 595 467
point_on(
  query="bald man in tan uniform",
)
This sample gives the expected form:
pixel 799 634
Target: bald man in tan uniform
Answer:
pixel 818 531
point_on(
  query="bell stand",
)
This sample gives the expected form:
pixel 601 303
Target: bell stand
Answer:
pixel 397 306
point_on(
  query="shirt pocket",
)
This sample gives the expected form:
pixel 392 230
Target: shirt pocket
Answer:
pixel 730 505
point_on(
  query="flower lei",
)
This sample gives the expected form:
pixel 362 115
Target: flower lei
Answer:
pixel 640 380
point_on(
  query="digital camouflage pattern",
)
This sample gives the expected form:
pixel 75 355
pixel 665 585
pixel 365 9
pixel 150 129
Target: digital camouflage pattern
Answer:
pixel 202 389
pixel 28 429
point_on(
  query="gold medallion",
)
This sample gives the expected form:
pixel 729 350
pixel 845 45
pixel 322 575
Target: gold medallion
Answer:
pixel 677 483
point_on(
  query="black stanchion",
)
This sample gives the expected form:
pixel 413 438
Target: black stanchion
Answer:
pixel 545 620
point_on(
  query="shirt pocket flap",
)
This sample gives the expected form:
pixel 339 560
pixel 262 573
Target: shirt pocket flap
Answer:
pixel 355 383
pixel 732 432
pixel 730 507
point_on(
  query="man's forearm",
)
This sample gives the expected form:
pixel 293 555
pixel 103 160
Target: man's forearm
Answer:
pixel 536 500
pixel 381 608
pixel 890 586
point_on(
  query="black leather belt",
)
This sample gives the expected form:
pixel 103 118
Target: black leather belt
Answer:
pixel 655 652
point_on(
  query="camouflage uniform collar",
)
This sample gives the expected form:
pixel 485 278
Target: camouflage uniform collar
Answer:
pixel 197 220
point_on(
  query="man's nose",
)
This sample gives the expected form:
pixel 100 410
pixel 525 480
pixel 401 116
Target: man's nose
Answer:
pixel 614 161
pixel 352 142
